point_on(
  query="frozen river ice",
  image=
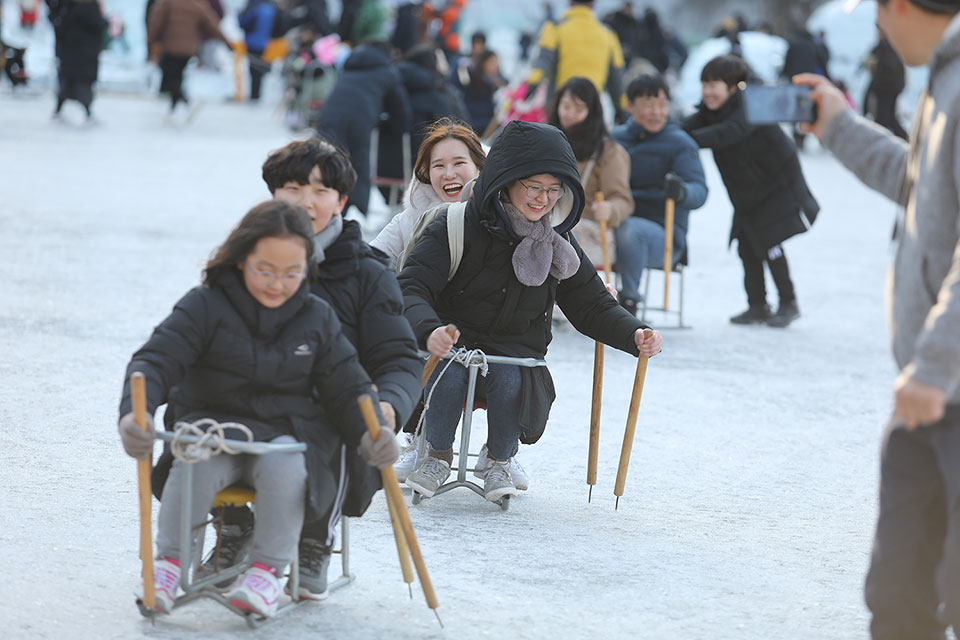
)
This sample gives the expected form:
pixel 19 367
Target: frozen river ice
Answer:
pixel 750 504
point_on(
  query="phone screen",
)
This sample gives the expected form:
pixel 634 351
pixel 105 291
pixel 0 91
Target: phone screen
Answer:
pixel 782 103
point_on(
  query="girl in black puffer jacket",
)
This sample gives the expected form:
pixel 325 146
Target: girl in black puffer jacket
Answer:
pixel 518 259
pixel 253 346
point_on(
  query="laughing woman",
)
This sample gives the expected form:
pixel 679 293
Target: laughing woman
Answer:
pixel 518 259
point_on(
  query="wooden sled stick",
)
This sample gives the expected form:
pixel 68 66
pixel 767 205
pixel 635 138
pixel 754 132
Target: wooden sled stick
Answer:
pixel 433 360
pixel 667 251
pixel 597 397
pixel 138 390
pixel 403 551
pixel 631 422
pixel 392 488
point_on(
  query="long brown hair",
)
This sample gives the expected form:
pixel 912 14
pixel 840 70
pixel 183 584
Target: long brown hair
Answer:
pixel 271 219
pixel 438 132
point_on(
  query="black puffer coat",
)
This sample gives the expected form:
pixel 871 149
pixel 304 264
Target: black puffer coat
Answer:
pixel 355 279
pixel 289 370
pixel 492 309
pixel 80 39
pixel 761 171
pixel 368 86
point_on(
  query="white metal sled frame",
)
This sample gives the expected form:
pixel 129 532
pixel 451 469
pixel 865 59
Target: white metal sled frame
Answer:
pixel 464 454
pixel 191 542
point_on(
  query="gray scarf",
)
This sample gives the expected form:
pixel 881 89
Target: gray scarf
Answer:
pixel 325 238
pixel 541 251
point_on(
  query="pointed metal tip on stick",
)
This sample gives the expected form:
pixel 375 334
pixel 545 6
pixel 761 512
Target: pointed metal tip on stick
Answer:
pixel 438 618
pixel 411 590
pixel 617 505
pixel 590 494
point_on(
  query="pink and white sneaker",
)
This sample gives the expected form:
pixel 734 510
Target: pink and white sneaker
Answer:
pixel 257 590
pixel 166 581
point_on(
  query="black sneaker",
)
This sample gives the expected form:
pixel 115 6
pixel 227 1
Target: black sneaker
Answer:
pixel 234 539
pixel 314 563
pixel 756 314
pixel 628 303
pixel 786 313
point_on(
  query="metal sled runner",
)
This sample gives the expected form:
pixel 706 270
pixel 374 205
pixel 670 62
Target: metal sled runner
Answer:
pixel 191 538
pixel 474 361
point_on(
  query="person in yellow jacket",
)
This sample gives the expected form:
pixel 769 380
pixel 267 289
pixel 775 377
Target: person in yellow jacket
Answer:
pixel 580 45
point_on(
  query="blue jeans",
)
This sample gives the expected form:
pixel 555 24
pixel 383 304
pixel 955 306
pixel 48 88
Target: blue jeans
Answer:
pixel 640 245
pixel 500 388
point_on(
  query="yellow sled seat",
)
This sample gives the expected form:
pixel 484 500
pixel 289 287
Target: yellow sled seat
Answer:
pixel 235 496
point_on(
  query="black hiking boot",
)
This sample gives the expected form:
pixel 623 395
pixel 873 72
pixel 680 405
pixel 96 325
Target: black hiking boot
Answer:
pixel 628 303
pixel 314 562
pixel 756 314
pixel 234 539
pixel 786 313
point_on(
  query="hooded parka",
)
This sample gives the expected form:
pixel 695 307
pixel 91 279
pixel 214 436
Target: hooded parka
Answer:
pixel 484 299
pixel 289 370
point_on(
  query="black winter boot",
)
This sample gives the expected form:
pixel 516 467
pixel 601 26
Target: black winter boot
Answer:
pixel 786 313
pixel 756 314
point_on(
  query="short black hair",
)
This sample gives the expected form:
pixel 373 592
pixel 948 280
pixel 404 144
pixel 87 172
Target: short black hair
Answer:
pixel 478 36
pixel 649 85
pixel 729 69
pixel 294 162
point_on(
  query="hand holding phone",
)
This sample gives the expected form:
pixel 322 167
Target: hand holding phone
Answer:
pixel 776 104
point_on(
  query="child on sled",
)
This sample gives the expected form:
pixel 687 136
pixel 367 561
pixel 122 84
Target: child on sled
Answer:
pixel 253 346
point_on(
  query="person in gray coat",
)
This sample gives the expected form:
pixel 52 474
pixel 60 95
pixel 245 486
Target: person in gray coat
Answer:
pixel 913 587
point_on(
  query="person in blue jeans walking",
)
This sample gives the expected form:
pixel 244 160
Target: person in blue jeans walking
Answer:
pixel 664 163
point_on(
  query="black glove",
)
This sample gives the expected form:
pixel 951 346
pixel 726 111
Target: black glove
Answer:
pixel 137 442
pixel 673 188
pixel 382 453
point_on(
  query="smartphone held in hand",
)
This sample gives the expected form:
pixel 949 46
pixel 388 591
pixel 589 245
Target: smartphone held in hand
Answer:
pixel 776 104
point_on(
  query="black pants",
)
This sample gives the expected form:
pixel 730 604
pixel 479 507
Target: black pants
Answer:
pixel 885 113
pixel 753 279
pixel 74 89
pixel 172 80
pixel 323 528
pixel 258 69
pixel 915 566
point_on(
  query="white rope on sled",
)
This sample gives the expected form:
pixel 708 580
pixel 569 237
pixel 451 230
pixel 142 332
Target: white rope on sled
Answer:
pixel 212 439
pixel 464 356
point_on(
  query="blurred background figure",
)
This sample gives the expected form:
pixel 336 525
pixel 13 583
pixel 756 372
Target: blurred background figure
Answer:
pixel 257 21
pixel 479 94
pixel 81 39
pixel 887 81
pixel 628 29
pixel 443 21
pixel 28 14
pixel 805 54
pixel 405 26
pixel 653 46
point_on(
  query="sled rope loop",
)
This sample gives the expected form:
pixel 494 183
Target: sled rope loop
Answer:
pixel 213 439
pixel 466 357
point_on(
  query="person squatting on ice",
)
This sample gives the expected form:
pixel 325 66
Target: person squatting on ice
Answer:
pixel 763 177
pixel 518 259
pixel 251 345
pixel 913 586
pixel 353 279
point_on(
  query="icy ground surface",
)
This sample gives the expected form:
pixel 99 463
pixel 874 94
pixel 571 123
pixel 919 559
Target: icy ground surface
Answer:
pixel 750 503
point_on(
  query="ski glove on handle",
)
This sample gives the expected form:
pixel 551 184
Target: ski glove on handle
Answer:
pixel 674 188
pixel 382 453
pixel 137 442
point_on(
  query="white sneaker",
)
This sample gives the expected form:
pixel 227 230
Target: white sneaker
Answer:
pixel 429 476
pixel 407 461
pixel 497 482
pixel 257 590
pixel 166 581
pixel 520 478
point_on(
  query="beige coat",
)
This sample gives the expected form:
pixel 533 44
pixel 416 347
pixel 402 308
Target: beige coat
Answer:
pixel 179 26
pixel 611 176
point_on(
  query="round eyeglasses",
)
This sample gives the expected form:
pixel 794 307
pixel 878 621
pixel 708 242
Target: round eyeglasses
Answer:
pixel 534 191
pixel 267 278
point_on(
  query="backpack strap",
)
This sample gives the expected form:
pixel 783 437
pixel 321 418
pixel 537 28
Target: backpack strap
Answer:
pixel 456 215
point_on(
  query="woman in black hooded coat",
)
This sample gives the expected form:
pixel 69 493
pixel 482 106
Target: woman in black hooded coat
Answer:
pixel 518 259
pixel 79 41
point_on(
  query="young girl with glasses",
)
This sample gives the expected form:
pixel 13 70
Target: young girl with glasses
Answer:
pixel 251 345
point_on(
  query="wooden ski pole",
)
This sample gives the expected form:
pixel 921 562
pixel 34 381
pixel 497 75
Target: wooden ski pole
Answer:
pixel 593 451
pixel 403 551
pixel 138 391
pixel 667 251
pixel 631 422
pixel 433 360
pixel 392 488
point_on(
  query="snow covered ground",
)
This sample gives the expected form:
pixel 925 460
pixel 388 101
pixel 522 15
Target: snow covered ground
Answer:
pixel 751 499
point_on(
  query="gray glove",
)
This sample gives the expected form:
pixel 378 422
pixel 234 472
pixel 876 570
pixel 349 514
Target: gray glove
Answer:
pixel 136 442
pixel 382 453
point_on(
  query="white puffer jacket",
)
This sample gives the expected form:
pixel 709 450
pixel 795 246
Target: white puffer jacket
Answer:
pixel 418 198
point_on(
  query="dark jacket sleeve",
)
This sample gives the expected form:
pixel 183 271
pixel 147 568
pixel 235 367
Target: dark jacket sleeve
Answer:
pixel 687 165
pixel 396 103
pixel 176 343
pixel 424 277
pixel 591 309
pixel 723 134
pixel 340 380
pixel 387 346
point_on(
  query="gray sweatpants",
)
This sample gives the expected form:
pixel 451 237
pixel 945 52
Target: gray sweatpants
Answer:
pixel 280 480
